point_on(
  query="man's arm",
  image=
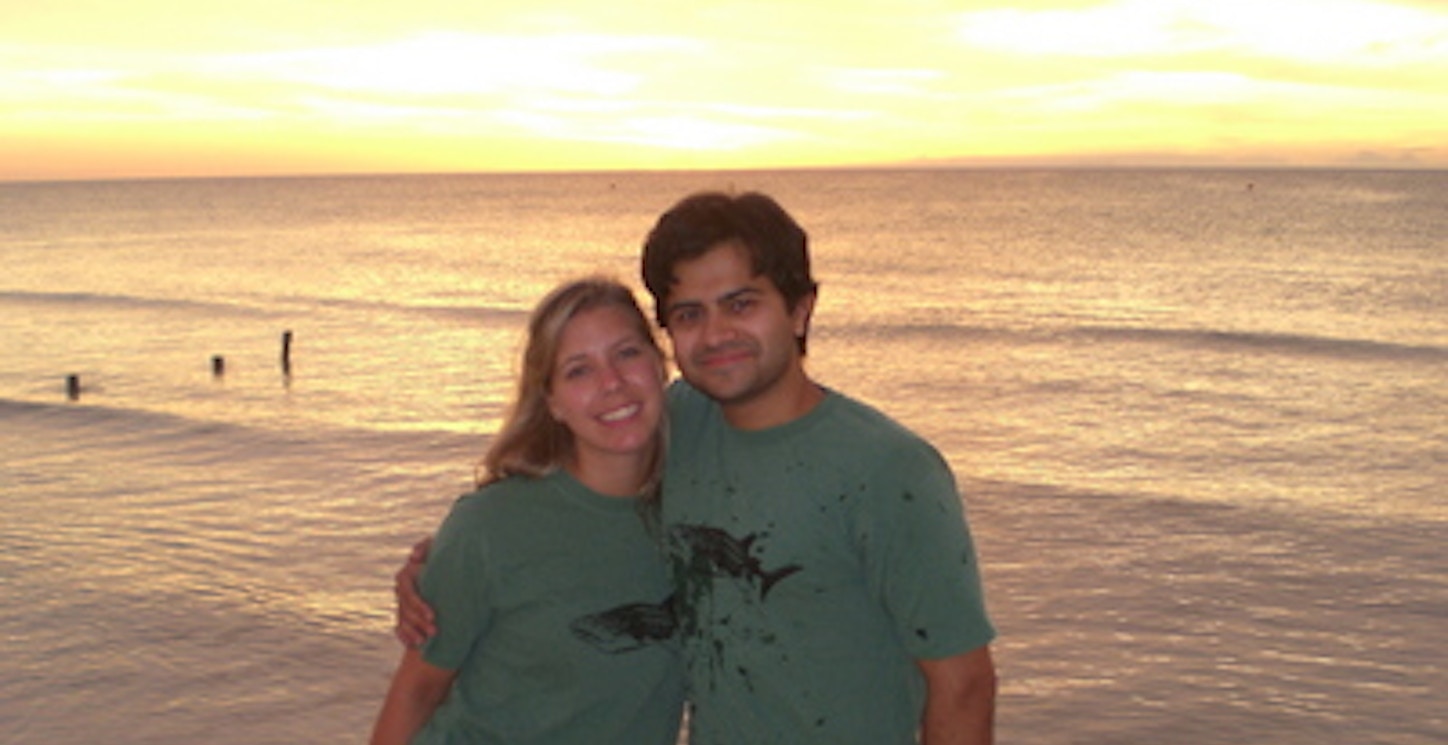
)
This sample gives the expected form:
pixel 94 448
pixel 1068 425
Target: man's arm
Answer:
pixel 415 621
pixel 960 699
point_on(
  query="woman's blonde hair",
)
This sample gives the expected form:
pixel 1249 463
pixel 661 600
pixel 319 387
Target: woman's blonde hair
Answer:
pixel 531 442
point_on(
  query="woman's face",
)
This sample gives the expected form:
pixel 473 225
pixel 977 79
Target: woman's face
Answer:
pixel 607 385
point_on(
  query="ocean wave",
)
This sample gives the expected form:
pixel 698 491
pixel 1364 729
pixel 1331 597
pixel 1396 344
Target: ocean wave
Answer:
pixel 264 306
pixel 104 301
pixel 450 313
pixel 178 438
pixel 1266 342
pixel 1280 343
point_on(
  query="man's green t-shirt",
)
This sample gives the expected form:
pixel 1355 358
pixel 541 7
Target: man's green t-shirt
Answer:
pixel 814 562
pixel 552 605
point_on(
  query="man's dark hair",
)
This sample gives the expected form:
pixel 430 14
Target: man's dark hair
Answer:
pixel 778 247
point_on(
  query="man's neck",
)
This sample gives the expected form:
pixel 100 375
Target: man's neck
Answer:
pixel 791 398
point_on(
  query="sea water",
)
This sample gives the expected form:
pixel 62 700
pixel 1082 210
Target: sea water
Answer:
pixel 1199 420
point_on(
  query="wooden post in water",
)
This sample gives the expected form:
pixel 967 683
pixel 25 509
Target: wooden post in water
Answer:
pixel 287 353
pixel 218 366
pixel 72 387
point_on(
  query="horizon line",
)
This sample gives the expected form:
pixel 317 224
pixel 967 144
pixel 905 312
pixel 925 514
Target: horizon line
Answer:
pixel 929 165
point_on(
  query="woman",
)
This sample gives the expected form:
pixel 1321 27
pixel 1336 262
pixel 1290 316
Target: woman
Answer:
pixel 551 598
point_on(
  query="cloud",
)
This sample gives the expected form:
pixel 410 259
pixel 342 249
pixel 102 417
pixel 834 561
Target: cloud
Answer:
pixel 761 82
pixel 884 82
pixel 1319 31
pixel 445 75
pixel 1209 96
pixel 456 63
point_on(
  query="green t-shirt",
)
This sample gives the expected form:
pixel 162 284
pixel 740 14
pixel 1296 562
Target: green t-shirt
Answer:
pixel 814 562
pixel 552 605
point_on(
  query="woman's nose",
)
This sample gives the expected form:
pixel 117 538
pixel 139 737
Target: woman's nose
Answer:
pixel 610 377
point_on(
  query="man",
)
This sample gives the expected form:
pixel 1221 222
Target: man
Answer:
pixel 826 584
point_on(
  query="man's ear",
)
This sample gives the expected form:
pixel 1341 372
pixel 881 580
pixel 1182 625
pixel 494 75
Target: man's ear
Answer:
pixel 802 314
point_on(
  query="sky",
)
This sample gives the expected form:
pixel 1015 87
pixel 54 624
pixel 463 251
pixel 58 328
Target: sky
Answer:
pixel 93 89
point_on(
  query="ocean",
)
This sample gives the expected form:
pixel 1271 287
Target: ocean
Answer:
pixel 1199 420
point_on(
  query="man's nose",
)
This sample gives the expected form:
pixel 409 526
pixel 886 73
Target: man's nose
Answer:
pixel 717 328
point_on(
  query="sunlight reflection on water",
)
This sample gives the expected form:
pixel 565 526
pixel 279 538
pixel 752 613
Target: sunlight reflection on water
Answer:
pixel 1199 433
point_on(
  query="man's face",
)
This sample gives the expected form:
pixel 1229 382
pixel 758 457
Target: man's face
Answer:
pixel 734 339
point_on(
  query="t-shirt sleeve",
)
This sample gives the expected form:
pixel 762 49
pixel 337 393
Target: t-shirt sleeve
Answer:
pixel 687 407
pixel 454 582
pixel 920 559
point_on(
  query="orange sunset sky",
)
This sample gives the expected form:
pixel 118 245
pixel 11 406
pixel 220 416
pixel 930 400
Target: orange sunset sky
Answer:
pixel 157 88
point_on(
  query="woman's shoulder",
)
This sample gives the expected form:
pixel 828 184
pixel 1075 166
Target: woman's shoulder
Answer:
pixel 494 498
pixel 496 495
pixel 490 512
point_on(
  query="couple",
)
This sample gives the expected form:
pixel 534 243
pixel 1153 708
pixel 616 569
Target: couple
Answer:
pixel 817 571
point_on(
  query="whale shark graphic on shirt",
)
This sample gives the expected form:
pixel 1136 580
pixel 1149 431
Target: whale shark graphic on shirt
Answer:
pixel 627 627
pixel 726 555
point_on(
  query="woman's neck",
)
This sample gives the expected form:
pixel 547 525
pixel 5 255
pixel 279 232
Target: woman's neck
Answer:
pixel 621 476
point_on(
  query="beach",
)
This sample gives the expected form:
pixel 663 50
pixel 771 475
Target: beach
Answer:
pixel 1199 420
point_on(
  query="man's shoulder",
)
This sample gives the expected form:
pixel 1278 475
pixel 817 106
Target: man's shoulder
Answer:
pixel 688 406
pixel 862 438
pixel 853 418
pixel 681 391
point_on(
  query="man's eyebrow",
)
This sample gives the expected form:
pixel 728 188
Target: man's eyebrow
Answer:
pixel 741 292
pixel 726 297
pixel 677 304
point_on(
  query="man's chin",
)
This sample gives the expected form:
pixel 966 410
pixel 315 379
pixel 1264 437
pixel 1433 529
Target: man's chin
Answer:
pixel 722 389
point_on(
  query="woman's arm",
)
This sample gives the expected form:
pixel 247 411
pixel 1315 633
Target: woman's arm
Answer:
pixel 418 688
